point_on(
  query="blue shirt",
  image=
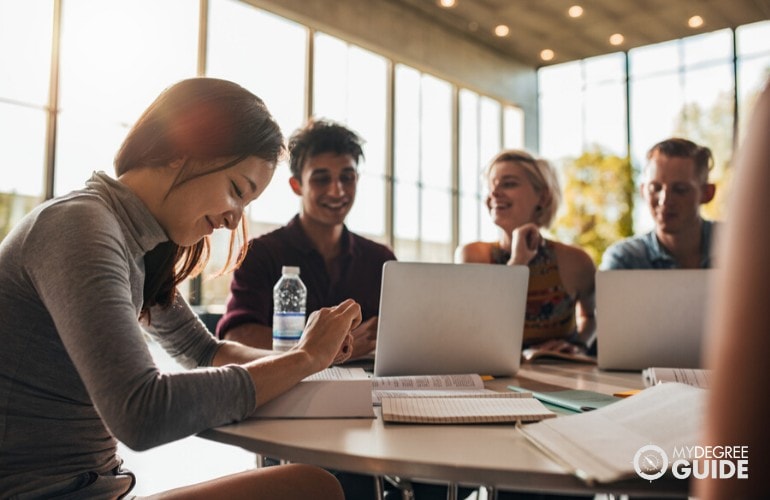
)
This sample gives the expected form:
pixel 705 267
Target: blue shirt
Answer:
pixel 646 252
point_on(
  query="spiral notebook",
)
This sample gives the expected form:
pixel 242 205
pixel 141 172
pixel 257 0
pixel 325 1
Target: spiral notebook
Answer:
pixel 489 408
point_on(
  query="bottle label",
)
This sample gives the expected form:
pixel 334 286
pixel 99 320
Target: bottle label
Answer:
pixel 288 325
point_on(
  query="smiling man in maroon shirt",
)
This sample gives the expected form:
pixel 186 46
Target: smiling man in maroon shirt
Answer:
pixel 335 264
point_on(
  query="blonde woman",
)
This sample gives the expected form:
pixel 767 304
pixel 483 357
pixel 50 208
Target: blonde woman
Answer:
pixel 523 199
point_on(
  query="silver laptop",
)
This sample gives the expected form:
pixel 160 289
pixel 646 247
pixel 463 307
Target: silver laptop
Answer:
pixel 450 318
pixel 650 318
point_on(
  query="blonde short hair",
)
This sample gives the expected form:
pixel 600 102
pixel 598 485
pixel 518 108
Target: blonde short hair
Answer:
pixel 541 175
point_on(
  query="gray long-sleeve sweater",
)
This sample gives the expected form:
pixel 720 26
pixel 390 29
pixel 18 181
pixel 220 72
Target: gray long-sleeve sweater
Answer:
pixel 75 370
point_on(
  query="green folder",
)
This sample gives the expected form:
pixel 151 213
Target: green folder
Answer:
pixel 575 400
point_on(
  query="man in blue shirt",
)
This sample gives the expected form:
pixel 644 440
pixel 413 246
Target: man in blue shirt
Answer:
pixel 675 185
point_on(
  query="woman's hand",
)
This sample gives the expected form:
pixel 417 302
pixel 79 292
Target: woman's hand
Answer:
pixel 525 240
pixel 559 345
pixel 327 337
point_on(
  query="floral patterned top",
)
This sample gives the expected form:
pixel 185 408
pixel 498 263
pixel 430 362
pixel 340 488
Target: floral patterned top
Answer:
pixel 550 311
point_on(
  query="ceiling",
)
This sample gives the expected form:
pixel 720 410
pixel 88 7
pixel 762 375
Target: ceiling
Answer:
pixel 535 25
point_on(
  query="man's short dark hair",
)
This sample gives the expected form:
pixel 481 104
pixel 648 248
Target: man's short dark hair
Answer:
pixel 682 148
pixel 318 137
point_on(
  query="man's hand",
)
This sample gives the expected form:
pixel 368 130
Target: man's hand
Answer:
pixel 364 338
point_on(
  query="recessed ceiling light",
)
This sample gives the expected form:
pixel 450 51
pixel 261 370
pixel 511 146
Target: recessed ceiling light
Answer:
pixel 547 54
pixel 447 3
pixel 575 11
pixel 502 30
pixel 616 39
pixel 695 22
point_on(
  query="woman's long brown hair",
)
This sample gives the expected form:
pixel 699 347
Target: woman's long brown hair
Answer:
pixel 208 119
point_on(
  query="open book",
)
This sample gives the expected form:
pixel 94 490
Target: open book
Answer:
pixel 697 377
pixel 602 445
pixel 464 409
pixel 332 393
pixel 469 384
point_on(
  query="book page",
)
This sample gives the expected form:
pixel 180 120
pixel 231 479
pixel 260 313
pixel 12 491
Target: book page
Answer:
pixel 691 376
pixel 600 445
pixel 423 382
pixel 463 410
pixel 377 396
pixel 339 373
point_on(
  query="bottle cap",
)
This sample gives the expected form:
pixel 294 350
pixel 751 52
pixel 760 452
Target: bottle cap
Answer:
pixel 290 270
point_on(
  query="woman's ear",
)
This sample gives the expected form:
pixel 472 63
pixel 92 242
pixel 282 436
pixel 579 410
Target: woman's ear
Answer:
pixel 296 185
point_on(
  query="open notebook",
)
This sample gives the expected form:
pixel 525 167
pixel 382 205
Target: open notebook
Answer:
pixel 450 318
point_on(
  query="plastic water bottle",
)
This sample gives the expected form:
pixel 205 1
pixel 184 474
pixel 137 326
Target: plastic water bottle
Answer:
pixel 289 299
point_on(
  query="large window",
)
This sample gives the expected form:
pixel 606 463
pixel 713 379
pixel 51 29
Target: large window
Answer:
pixel 350 87
pixel 110 71
pixel 423 167
pixel 25 61
pixel 680 88
pixel 241 46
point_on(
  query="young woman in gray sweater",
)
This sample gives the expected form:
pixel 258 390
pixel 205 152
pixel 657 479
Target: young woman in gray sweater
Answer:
pixel 84 275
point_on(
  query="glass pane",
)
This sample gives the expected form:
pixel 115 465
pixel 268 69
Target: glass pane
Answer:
pixel 242 47
pixel 655 105
pixel 407 207
pixel 552 79
pixel 490 136
pixel 330 78
pixel 367 95
pixel 22 141
pixel 25 50
pixel 513 128
pixel 85 143
pixel 716 46
pixel 470 218
pixel 561 124
pixel 753 38
pixel 100 96
pixel 407 125
pixel 368 213
pixel 436 215
pixel 436 133
pixel 752 76
pixel 652 59
pixel 469 142
pixel 115 67
pixel 608 68
pixel 605 110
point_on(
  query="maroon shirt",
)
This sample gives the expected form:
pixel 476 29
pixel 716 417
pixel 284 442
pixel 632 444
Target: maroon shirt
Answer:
pixel 251 290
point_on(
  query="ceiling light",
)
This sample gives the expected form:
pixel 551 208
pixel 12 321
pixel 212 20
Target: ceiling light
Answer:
pixel 616 39
pixel 575 11
pixel 447 3
pixel 695 22
pixel 547 54
pixel 502 30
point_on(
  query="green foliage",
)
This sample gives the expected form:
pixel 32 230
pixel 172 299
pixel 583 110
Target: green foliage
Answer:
pixel 12 208
pixel 598 192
